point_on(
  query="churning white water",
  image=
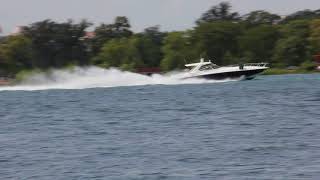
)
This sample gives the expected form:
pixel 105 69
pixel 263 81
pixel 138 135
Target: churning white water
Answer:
pixel 94 77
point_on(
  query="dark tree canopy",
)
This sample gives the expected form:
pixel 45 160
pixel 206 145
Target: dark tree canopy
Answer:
pixel 221 12
pixel 57 44
pixel 216 39
pixel 155 34
pixel 261 17
pixel 150 44
pixel 220 35
pixel 257 43
pixel 121 24
pixel 118 29
pixel 305 14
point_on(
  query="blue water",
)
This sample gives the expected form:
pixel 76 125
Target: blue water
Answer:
pixel 268 128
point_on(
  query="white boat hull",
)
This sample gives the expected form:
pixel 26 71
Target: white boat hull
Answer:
pixel 208 70
pixel 245 74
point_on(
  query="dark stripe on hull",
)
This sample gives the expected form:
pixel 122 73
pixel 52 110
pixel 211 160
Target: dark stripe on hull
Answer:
pixel 250 74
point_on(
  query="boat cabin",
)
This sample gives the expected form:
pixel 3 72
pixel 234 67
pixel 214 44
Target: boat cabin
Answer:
pixel 202 66
pixel 208 67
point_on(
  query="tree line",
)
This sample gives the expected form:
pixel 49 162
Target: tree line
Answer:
pixel 219 34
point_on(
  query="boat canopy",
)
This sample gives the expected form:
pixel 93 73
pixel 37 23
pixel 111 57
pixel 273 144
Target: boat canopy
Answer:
pixel 196 64
pixel 202 62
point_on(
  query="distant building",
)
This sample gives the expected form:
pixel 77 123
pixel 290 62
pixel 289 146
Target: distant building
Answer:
pixel 317 59
pixel 17 31
pixel 149 71
pixel 90 35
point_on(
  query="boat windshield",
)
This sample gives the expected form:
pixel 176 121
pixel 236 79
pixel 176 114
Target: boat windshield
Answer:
pixel 208 67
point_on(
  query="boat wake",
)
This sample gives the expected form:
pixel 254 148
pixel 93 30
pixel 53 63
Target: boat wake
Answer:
pixel 95 77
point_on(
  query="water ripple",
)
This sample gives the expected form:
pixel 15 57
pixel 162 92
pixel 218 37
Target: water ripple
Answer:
pixel 263 129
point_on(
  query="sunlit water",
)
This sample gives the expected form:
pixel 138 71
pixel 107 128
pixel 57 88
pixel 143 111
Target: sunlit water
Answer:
pixel 267 128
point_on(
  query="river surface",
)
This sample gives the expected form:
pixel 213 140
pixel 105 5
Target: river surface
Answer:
pixel 267 128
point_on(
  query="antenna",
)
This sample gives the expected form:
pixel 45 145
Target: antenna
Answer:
pixel 201 57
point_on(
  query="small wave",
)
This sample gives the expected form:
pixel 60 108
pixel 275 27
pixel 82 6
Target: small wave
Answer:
pixel 95 77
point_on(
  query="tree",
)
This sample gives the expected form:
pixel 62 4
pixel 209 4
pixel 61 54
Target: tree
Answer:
pixel 230 58
pixel 291 51
pixel 176 50
pixel 315 35
pixel 216 38
pixel 155 34
pixel 302 15
pixel 150 44
pixel 120 28
pixel 149 51
pixel 299 28
pixel 261 17
pixel 57 44
pixel 293 47
pixel 174 45
pixel 121 53
pixel 16 54
pixel 258 42
pixel 221 12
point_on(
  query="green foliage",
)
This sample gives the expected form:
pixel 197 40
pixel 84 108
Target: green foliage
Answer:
pixel 119 53
pixel 221 12
pixel 302 15
pixel 308 65
pixel 229 58
pixel 118 29
pixel 176 49
pixel 55 44
pixel 247 56
pixel 16 54
pixel 261 17
pixel 217 38
pixel 220 35
pixel 299 28
pixel 290 51
pixel 258 43
pixel 305 67
pixel 25 74
pixel 150 43
pixel 279 71
pixel 293 48
pixel 315 35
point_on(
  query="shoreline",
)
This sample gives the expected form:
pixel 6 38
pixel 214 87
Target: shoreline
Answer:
pixel 276 71
pixel 6 82
pixel 272 71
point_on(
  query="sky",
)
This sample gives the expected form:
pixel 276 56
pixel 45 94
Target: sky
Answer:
pixel 169 14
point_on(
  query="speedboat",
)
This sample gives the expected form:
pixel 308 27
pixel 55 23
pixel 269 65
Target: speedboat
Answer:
pixel 209 70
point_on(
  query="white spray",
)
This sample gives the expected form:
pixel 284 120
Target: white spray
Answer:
pixel 94 77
